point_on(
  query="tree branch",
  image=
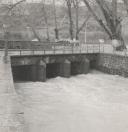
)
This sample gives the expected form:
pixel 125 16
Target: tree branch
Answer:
pixel 84 23
pixel 14 5
pixel 126 4
pixel 98 19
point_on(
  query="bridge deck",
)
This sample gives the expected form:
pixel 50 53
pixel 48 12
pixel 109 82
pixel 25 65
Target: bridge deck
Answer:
pixel 91 48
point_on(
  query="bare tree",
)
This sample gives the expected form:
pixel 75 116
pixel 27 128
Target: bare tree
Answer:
pixel 83 25
pixel 126 4
pixel 76 5
pixel 75 30
pixel 24 19
pixel 111 23
pixel 79 28
pixel 71 24
pixel 8 11
pixel 55 17
pixel 45 19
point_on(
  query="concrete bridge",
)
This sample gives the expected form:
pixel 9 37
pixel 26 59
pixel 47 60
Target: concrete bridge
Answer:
pixel 37 64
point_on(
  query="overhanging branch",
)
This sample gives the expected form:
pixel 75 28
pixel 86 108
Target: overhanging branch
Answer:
pixel 98 19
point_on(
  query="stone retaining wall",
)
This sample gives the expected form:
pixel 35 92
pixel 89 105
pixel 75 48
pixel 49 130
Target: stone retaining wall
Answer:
pixel 112 64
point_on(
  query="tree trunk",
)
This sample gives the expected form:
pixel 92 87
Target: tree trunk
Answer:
pixel 77 19
pixel 112 25
pixel 126 4
pixel 71 24
pixel 56 28
pixel 46 21
pixel 69 5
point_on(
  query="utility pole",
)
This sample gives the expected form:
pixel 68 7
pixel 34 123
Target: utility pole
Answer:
pixel 86 32
pixel 56 28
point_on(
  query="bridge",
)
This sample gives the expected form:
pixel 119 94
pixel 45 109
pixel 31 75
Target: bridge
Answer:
pixel 22 48
pixel 31 61
pixel 36 61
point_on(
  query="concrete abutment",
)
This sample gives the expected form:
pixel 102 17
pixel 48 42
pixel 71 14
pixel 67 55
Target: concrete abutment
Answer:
pixel 11 111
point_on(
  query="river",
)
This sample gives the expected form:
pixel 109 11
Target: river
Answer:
pixel 95 102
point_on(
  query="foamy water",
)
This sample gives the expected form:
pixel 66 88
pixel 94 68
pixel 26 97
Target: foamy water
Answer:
pixel 95 102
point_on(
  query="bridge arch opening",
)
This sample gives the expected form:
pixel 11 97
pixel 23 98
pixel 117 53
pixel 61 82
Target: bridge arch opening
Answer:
pixel 80 67
pixel 75 68
pixel 52 70
pixel 21 73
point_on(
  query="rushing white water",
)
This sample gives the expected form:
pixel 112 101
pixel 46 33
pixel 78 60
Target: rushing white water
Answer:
pixel 95 102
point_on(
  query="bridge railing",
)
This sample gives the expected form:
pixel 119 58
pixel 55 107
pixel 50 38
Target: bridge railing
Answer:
pixel 37 48
pixel 58 50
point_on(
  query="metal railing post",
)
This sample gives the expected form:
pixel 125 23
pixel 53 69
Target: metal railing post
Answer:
pixel 72 48
pixel 54 48
pixel 93 49
pixel 99 48
pixel 103 48
pixel 80 48
pixel 64 49
pixel 20 51
pixel 87 48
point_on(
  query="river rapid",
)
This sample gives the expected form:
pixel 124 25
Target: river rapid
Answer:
pixel 94 102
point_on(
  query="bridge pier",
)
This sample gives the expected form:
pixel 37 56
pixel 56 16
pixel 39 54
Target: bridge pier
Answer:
pixel 38 72
pixel 41 71
pixel 85 66
pixel 33 73
pixel 65 69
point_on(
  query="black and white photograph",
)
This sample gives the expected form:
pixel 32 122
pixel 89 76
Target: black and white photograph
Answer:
pixel 63 66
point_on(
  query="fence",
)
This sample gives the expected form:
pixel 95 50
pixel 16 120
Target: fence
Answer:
pixel 55 49
pixel 41 48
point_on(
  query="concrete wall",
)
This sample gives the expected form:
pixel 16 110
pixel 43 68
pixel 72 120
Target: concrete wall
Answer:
pixel 11 118
pixel 112 64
